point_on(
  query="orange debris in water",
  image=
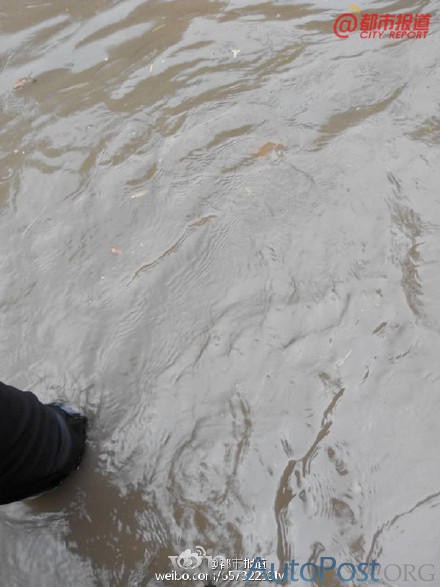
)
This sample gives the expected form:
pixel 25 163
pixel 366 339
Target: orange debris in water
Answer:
pixel 23 81
pixel 269 148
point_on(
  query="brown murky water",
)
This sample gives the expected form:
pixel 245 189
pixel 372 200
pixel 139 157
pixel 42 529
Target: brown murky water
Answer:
pixel 220 237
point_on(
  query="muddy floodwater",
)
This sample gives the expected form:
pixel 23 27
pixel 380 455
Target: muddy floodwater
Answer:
pixel 220 238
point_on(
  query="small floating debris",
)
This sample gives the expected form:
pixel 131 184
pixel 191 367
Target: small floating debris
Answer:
pixel 379 329
pixel 340 362
pixel 139 194
pixel 115 251
pixel 23 81
pixel 268 148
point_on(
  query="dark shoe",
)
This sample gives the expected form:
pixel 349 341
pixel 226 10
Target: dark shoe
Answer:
pixel 77 426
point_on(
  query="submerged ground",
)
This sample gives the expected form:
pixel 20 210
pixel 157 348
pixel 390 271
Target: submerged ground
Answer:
pixel 220 238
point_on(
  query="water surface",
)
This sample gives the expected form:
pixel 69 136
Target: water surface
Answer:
pixel 220 238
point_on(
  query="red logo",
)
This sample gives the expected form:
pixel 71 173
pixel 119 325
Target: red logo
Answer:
pixel 378 26
pixel 345 23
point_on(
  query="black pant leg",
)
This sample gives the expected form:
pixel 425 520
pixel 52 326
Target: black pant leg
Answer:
pixel 35 444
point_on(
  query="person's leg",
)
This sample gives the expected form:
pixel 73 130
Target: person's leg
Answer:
pixel 39 444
